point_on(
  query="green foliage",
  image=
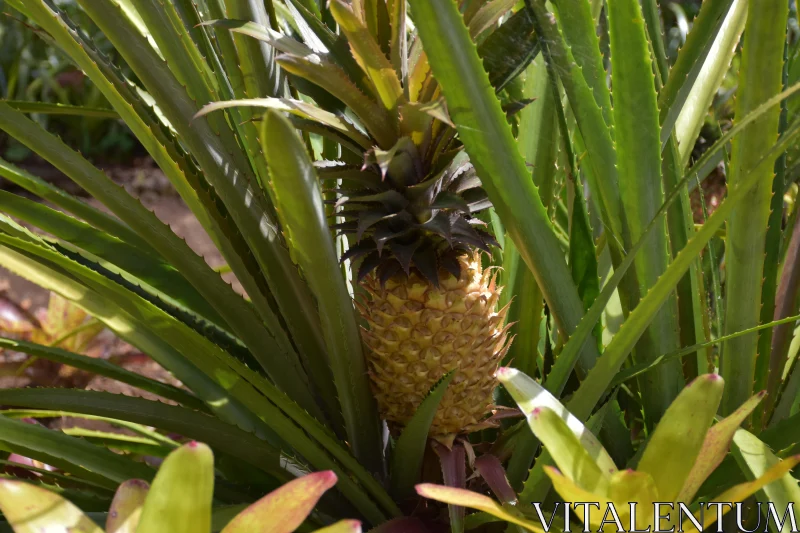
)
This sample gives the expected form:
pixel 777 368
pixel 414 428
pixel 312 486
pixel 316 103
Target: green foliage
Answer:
pixel 179 499
pixel 682 452
pixel 385 119
pixel 35 74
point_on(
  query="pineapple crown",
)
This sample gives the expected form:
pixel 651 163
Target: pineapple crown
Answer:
pixel 406 194
pixel 401 217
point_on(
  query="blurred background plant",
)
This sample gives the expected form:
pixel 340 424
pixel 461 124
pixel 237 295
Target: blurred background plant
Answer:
pixel 32 69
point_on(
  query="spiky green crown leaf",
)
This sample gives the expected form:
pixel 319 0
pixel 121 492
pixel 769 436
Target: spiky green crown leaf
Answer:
pixel 401 215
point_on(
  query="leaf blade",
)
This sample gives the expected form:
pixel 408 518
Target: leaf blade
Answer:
pixel 296 188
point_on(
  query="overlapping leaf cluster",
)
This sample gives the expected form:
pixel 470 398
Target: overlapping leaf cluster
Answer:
pixel 400 123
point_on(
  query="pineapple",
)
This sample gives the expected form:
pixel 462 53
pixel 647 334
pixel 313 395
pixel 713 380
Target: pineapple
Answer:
pixel 406 197
pixel 419 331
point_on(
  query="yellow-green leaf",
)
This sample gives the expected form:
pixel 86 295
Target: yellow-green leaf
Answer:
pixel 738 493
pixel 126 508
pixel 180 499
pixel 529 396
pixel 284 509
pixel 677 440
pixel 369 55
pixel 473 500
pixel 715 447
pixel 31 509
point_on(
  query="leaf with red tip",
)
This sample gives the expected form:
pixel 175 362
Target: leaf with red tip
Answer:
pixel 31 509
pixel 715 447
pixel 284 509
pixel 473 500
pixel 126 508
pixel 179 500
pixel 678 438
pixel 528 394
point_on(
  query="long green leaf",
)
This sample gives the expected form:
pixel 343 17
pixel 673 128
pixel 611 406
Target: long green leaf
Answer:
pixel 759 79
pixel 298 108
pixel 593 387
pixel 639 160
pixel 179 51
pixel 537 142
pixel 80 454
pixel 410 448
pixel 256 60
pixel 192 424
pixel 135 328
pixel 203 278
pixel 601 155
pixel 103 368
pixel 487 137
pixel 578 27
pixel 151 270
pixel 296 190
pixel 633 370
pixel 47 108
pixel 97 218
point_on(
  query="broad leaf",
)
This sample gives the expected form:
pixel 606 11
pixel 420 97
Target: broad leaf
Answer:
pixel 285 509
pixel 179 499
pixel 31 509
pixel 715 448
pixel 676 443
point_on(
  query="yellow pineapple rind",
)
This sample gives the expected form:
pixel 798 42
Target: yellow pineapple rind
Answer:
pixel 417 333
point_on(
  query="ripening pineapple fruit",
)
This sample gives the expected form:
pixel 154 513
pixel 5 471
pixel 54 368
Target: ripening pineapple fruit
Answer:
pixel 419 330
pixel 430 306
pixel 406 196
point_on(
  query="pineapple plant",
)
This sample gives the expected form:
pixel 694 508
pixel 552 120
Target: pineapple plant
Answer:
pixel 408 202
pixel 414 157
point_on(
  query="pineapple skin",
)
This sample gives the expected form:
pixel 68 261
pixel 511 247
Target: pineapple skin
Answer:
pixel 418 333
